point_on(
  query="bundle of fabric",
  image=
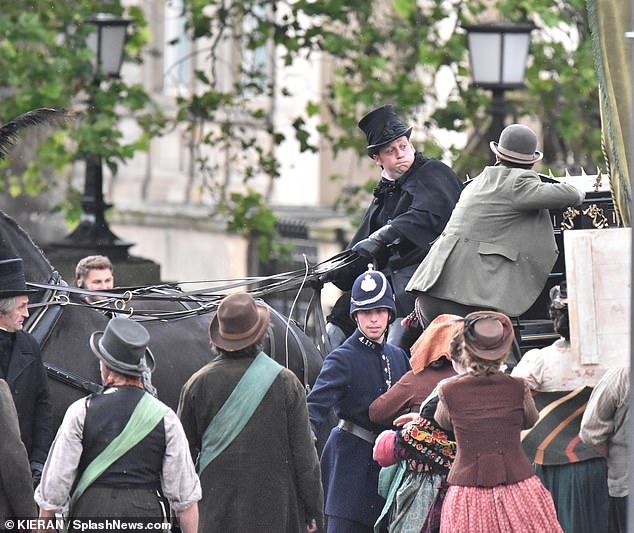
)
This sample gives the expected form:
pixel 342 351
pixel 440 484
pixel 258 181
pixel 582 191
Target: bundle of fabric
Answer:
pixel 422 444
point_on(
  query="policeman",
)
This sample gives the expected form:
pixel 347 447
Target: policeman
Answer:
pixel 352 376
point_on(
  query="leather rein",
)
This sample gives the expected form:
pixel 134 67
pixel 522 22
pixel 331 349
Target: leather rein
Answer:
pixel 57 295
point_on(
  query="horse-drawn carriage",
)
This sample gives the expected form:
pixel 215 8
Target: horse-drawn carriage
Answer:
pixel 534 328
pixel 178 321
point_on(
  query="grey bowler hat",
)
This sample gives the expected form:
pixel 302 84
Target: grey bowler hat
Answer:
pixel 123 347
pixel 518 144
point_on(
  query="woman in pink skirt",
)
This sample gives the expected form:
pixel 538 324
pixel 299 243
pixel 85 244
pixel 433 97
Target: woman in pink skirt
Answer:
pixel 493 487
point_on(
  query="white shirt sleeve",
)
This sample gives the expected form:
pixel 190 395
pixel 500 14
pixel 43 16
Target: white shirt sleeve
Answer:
pixel 531 368
pixel 60 470
pixel 179 480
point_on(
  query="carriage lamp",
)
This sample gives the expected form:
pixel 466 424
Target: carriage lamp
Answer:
pixel 92 234
pixel 498 53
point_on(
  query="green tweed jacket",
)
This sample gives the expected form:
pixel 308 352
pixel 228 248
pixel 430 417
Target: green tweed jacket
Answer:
pixel 498 246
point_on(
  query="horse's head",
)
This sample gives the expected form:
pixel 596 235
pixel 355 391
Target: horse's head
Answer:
pixel 15 242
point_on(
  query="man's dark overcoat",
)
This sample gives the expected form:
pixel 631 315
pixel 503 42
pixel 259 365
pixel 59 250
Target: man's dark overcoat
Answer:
pixel 27 380
pixel 352 377
pixel 268 478
pixel 417 205
pixel 16 485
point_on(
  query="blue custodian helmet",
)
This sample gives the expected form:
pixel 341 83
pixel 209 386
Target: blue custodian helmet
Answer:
pixel 371 290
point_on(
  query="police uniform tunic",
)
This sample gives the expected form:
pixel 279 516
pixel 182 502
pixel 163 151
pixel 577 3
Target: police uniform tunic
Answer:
pixel 352 376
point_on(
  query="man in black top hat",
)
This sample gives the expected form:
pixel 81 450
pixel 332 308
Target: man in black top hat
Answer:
pixel 412 203
pixel 21 366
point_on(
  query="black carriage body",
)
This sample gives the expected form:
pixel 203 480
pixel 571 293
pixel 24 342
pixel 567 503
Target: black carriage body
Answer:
pixel 596 212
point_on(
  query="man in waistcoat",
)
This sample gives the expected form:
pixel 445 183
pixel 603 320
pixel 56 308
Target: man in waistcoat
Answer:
pixel 412 203
pixel 352 377
pixel 246 420
pixel 84 471
pixel 21 366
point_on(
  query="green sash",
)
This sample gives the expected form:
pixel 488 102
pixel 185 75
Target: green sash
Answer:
pixel 145 417
pixel 238 408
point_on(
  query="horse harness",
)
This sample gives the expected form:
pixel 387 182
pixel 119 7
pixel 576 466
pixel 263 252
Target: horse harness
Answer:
pixel 57 295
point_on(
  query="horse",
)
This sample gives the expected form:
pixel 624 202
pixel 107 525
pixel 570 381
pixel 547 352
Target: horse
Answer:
pixel 178 327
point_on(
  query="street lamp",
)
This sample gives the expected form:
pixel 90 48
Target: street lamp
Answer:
pixel 92 234
pixel 498 52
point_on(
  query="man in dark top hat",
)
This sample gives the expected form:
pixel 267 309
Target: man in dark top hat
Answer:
pixel 21 366
pixel 412 203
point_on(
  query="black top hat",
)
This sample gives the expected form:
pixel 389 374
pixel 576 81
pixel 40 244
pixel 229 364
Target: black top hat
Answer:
pixel 12 282
pixel 381 127
pixel 123 347
pixel 518 144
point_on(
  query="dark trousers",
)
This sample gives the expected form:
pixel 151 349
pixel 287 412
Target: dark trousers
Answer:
pixel 113 503
pixel 341 525
pixel 431 307
pixel 617 515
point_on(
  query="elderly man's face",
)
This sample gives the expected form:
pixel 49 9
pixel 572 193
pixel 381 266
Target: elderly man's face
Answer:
pixel 98 279
pixel 396 157
pixel 13 320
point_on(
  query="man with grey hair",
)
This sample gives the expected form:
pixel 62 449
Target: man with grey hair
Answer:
pixel 21 366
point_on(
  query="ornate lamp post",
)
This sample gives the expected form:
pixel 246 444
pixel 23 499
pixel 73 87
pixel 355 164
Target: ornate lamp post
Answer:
pixel 93 235
pixel 498 52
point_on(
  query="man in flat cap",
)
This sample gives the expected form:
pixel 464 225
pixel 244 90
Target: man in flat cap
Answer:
pixel 21 366
pixel 412 203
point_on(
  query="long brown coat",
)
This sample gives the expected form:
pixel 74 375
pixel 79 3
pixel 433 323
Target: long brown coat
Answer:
pixel 16 484
pixel 268 479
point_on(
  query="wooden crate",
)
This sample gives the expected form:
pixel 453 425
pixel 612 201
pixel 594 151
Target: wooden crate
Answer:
pixel 598 272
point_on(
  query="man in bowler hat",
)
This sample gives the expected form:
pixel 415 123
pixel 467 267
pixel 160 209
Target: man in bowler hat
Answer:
pixel 21 366
pixel 86 473
pixel 498 247
pixel 412 203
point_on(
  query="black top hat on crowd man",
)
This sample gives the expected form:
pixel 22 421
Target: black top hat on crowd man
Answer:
pixel 12 281
pixel 381 127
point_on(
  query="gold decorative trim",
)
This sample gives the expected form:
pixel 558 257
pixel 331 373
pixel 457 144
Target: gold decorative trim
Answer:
pixel 568 220
pixel 596 214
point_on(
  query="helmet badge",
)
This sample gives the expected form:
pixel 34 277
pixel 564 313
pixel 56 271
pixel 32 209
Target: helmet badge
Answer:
pixel 368 284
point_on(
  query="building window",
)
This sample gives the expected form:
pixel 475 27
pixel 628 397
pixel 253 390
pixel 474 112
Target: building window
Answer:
pixel 257 54
pixel 177 57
